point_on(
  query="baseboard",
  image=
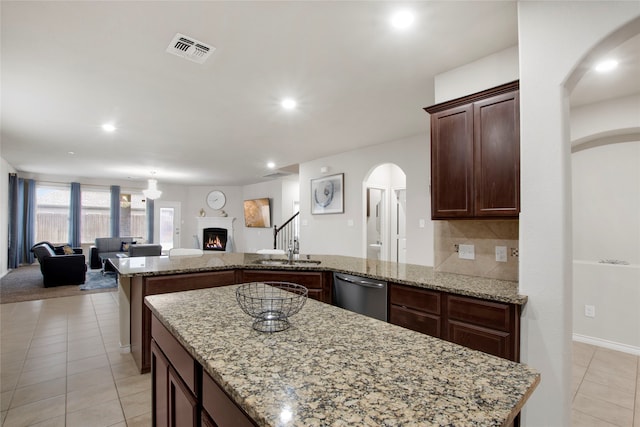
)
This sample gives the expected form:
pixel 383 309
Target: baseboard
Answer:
pixel 611 345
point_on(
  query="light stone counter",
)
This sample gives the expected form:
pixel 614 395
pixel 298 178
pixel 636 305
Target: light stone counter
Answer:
pixel 408 274
pixel 337 368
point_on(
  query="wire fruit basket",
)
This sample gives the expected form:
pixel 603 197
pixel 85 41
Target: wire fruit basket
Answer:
pixel 271 303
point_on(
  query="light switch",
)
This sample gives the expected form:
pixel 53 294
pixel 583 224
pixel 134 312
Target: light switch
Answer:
pixel 350 223
pixel 421 223
pixel 466 252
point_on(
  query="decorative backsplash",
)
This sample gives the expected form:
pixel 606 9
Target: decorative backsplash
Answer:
pixel 485 236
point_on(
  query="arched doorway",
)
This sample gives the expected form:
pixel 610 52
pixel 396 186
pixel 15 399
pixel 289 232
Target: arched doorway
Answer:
pixel 384 209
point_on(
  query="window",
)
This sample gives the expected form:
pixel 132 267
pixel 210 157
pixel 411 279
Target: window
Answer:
pixel 133 215
pixel 95 213
pixel 52 212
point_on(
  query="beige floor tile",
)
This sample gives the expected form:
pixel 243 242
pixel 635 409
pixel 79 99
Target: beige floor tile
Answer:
pixel 137 404
pixel 579 419
pixel 52 422
pixel 3 415
pixel 104 414
pixel 577 376
pixel 610 378
pixel 602 410
pixel 44 361
pixel 87 364
pixel 84 334
pixel 140 421
pixel 46 331
pixel 125 369
pixel 132 385
pixel 51 339
pixel 35 412
pixel 9 380
pixel 11 366
pixel 608 394
pixel 88 379
pixel 40 375
pixel 45 350
pixel 39 391
pixel 5 400
pixel 91 396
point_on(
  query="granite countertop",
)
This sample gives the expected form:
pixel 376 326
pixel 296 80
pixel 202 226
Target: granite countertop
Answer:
pixel 334 367
pixel 407 274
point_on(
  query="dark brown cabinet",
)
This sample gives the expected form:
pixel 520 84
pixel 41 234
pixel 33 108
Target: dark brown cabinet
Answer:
pixel 183 394
pixel 488 326
pixel 317 283
pixel 475 155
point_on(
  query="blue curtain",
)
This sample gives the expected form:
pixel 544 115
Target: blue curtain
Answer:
pixel 115 211
pixel 75 214
pixel 150 218
pixel 13 254
pixel 29 219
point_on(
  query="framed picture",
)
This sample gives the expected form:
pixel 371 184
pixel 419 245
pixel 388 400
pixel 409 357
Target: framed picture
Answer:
pixel 257 213
pixel 327 194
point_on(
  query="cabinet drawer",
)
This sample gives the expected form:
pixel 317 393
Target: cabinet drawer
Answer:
pixel 222 410
pixel 310 280
pixel 178 357
pixel 490 341
pixel 418 299
pixel 488 314
pixel 187 282
pixel 415 320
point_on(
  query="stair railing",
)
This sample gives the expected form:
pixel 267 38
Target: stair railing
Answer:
pixel 287 234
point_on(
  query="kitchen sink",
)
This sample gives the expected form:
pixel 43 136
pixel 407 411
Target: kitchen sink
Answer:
pixel 280 262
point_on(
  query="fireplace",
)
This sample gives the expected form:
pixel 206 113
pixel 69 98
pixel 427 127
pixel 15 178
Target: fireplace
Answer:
pixel 214 239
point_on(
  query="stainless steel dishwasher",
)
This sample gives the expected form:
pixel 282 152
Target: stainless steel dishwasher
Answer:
pixel 359 294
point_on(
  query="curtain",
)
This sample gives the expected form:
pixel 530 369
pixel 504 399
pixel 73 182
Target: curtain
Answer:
pixel 13 258
pixel 75 213
pixel 150 219
pixel 115 211
pixel 29 219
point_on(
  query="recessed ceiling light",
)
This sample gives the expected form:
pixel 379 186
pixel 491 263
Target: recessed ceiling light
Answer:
pixel 605 66
pixel 271 165
pixel 71 153
pixel 288 103
pixel 108 127
pixel 402 19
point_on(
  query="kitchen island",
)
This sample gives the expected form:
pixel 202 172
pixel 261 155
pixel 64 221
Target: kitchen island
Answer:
pixel 481 313
pixel 331 367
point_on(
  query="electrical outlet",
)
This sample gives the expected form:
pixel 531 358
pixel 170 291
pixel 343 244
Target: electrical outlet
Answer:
pixel 590 310
pixel 514 252
pixel 501 253
pixel 466 252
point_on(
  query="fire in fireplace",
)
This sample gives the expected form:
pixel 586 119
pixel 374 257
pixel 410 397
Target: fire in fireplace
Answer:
pixel 214 239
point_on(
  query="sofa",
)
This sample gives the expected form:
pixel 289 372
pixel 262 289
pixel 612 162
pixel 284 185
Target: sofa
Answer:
pixel 108 247
pixel 114 247
pixel 60 268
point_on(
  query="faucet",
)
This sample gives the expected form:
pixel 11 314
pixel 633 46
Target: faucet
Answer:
pixel 296 247
pixel 290 254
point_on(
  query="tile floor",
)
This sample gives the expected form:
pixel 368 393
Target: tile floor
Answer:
pixel 60 365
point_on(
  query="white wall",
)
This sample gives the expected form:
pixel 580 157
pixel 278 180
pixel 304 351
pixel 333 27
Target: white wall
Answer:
pixel 343 234
pixel 5 170
pixel 487 72
pixel 553 38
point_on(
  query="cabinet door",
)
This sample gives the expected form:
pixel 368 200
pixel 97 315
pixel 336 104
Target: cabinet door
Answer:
pixel 452 163
pixel 159 387
pixel 183 407
pixel 415 320
pixel 496 125
pixel 316 282
pixel 487 340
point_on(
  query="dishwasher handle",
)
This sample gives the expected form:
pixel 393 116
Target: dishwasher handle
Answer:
pixel 364 283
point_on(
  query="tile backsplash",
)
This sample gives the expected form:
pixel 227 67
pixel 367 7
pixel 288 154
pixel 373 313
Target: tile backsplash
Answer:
pixel 485 235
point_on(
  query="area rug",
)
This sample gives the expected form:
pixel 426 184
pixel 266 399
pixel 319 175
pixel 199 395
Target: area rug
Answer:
pixel 25 284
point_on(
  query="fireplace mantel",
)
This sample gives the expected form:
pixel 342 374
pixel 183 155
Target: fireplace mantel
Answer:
pixel 225 222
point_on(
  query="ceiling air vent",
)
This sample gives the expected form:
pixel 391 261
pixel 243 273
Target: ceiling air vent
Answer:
pixel 190 48
pixel 277 174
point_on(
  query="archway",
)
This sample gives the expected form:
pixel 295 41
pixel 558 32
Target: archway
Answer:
pixel 384 208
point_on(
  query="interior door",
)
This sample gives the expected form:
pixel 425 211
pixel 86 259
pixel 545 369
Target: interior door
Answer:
pixel 399 234
pixel 167 224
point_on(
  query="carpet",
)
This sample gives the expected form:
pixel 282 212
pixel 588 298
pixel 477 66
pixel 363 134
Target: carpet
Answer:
pixel 25 284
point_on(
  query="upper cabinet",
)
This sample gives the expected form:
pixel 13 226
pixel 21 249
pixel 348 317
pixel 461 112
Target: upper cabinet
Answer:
pixel 475 155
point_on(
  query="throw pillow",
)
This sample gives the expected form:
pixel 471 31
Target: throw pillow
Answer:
pixel 67 250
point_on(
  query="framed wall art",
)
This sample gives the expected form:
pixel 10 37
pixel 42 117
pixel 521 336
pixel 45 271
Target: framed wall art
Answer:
pixel 257 213
pixel 327 194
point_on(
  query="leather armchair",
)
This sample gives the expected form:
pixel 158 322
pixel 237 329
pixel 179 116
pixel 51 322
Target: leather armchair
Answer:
pixel 59 269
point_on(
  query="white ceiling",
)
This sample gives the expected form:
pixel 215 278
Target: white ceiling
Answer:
pixel 68 67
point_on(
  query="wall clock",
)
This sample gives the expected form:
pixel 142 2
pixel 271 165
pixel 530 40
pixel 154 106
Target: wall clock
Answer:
pixel 216 199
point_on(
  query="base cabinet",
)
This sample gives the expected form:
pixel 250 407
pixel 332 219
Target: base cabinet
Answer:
pixel 488 326
pixel 183 395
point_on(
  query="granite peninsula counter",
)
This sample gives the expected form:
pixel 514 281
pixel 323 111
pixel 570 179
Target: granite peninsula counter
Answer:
pixel 496 300
pixel 334 367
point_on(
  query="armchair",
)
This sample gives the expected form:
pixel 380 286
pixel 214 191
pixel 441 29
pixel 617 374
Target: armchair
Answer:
pixel 59 269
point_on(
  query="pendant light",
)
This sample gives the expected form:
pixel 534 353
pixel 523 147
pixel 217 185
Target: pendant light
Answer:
pixel 152 192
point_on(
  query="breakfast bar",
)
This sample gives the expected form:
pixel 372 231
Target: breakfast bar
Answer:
pixel 330 367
